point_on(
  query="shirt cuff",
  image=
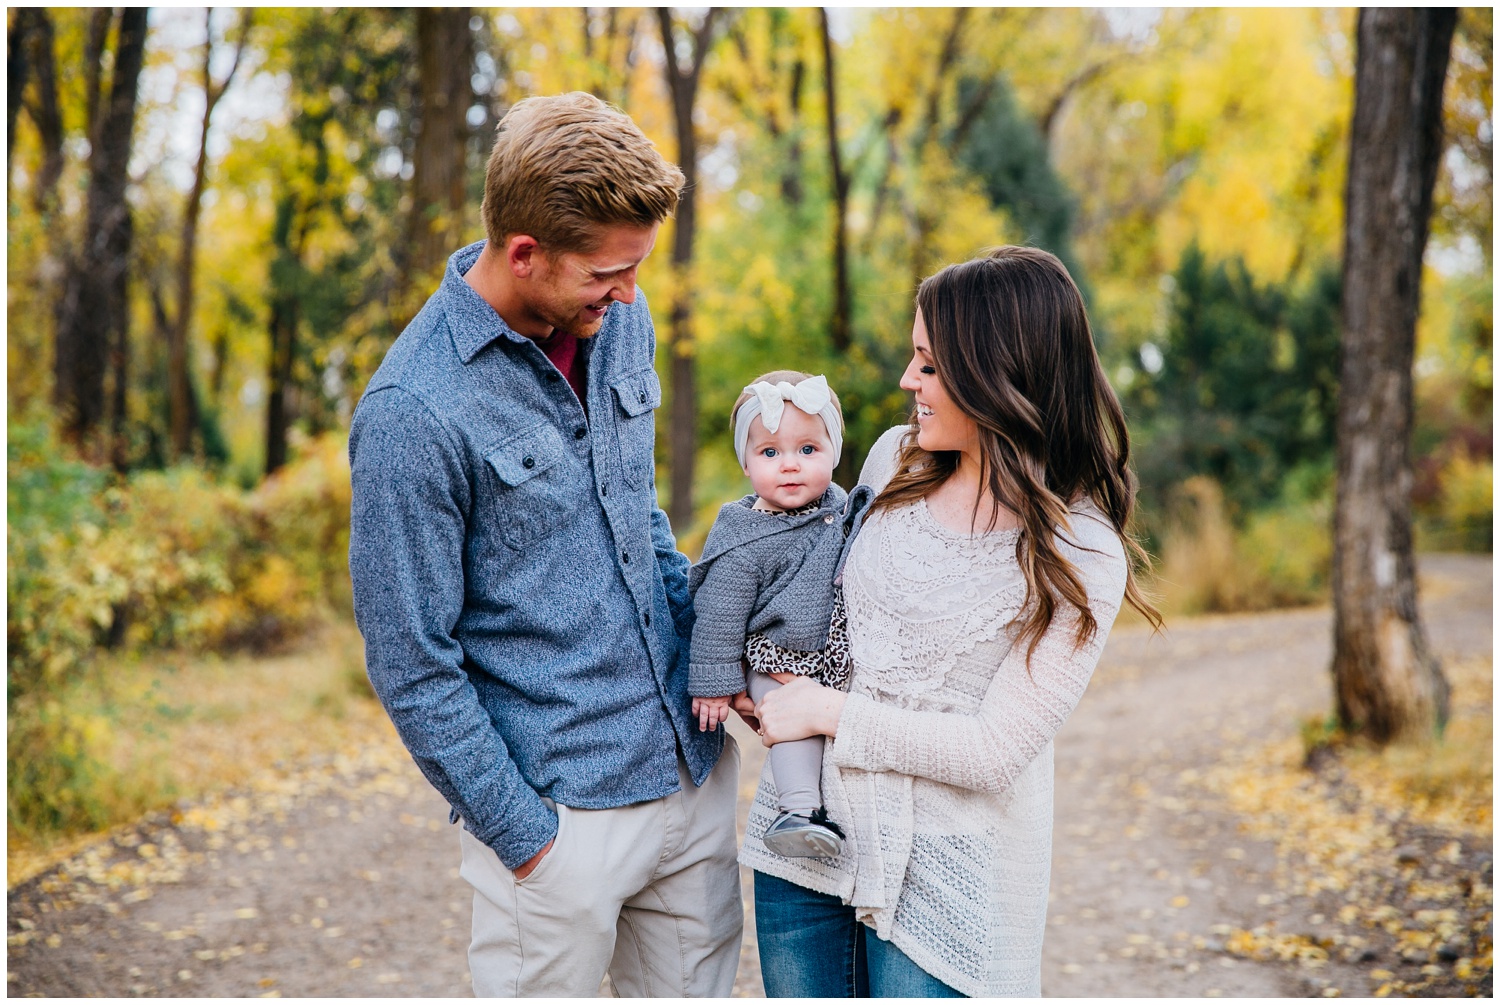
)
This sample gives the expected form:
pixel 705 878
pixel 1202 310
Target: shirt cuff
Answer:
pixel 715 680
pixel 515 850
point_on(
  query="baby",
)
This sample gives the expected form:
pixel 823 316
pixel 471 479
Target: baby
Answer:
pixel 764 589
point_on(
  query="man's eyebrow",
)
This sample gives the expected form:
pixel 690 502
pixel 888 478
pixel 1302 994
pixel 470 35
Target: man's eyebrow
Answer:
pixel 609 270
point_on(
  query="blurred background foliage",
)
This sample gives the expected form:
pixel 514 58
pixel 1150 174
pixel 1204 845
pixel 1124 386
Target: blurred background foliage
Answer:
pixel 1188 165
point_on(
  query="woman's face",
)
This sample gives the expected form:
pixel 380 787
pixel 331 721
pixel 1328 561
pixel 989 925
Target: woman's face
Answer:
pixel 941 426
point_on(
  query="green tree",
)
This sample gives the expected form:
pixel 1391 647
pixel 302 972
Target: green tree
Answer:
pixel 1004 146
pixel 1245 384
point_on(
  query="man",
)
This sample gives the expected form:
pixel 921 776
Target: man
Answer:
pixel 524 606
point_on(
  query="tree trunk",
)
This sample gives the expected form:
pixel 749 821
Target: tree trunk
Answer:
pixel 682 436
pixel 445 56
pixel 16 39
pixel 46 112
pixel 283 338
pixel 93 66
pixel 33 58
pixel 840 328
pixel 119 365
pixel 93 289
pixel 1388 684
pixel 181 407
pixel 791 174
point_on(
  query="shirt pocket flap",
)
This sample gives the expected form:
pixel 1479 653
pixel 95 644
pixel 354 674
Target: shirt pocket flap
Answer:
pixel 526 455
pixel 638 392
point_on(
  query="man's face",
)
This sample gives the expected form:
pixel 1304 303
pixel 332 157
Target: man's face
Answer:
pixel 572 291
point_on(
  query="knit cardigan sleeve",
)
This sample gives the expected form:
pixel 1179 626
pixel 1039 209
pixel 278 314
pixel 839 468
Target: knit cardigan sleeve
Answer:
pixel 724 601
pixel 1021 711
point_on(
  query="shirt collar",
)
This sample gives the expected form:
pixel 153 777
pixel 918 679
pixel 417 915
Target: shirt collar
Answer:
pixel 472 322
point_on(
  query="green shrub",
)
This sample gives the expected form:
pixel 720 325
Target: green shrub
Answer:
pixel 1281 557
pixel 1461 518
pixel 160 560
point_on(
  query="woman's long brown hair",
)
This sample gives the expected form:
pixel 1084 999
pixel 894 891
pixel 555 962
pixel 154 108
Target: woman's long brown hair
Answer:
pixel 1012 347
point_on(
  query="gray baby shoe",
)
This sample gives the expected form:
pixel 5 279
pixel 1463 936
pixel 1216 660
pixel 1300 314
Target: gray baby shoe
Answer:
pixel 804 835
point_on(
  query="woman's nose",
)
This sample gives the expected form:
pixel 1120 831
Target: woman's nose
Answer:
pixel 909 380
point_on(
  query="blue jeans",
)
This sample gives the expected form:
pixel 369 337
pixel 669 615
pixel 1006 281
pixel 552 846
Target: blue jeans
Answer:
pixel 811 946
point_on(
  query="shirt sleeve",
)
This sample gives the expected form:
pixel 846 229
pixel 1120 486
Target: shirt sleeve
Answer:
pixel 674 573
pixel 411 491
pixel 1021 711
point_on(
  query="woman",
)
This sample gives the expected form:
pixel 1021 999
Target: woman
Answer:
pixel 978 596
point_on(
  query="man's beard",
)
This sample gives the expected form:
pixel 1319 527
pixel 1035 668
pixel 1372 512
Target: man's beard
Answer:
pixel 575 324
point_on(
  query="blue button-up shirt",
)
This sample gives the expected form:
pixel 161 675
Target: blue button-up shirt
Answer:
pixel 523 603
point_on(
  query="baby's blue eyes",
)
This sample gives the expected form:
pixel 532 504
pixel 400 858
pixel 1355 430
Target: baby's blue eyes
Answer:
pixel 807 449
pixel 768 452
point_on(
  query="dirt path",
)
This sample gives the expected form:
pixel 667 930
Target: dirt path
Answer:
pixel 342 880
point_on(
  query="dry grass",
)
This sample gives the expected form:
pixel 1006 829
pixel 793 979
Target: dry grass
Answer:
pixel 1449 783
pixel 1389 845
pixel 1280 558
pixel 174 728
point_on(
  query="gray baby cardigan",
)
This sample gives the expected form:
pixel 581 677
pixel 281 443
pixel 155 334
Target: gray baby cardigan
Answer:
pixel 771 574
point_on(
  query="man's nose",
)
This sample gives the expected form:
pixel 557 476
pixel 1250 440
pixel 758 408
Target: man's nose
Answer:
pixel 624 289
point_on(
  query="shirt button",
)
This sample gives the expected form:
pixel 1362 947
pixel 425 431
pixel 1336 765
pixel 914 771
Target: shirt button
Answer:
pixel 528 462
pixel 828 518
pixel 580 433
pixel 643 397
pixel 604 490
pixel 626 556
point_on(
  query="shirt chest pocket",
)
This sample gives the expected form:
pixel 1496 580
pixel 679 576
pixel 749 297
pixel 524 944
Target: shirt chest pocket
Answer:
pixel 637 396
pixel 540 481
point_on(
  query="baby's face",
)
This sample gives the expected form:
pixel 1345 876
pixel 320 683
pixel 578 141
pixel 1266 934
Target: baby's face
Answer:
pixel 792 466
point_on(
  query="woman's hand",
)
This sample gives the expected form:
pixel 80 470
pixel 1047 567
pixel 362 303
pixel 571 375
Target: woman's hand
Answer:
pixel 799 709
pixel 744 707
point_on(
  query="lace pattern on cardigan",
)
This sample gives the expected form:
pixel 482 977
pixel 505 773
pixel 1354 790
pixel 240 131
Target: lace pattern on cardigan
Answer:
pixel 942 771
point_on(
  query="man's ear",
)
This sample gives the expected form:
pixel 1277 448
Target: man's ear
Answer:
pixel 521 254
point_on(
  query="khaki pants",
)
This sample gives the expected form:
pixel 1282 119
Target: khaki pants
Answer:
pixel 649 892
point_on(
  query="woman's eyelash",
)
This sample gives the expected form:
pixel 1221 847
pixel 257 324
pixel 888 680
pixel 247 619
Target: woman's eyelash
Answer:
pixel 929 370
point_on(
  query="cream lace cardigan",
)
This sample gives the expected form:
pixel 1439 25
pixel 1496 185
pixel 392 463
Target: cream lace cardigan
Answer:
pixel 941 773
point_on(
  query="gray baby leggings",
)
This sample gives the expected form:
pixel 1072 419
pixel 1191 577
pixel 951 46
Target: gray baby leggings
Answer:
pixel 796 765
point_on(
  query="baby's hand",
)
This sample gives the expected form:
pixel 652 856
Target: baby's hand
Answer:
pixel 711 712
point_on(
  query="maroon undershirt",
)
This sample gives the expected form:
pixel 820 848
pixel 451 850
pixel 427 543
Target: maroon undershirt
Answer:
pixel 562 349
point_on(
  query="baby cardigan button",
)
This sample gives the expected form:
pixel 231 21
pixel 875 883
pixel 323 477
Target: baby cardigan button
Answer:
pixel 580 433
pixel 828 518
pixel 528 462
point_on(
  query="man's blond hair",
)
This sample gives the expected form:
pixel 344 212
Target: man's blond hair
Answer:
pixel 562 166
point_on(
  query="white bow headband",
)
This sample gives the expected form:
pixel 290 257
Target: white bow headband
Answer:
pixel 768 400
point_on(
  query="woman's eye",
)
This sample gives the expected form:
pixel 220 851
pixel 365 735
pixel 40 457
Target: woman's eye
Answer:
pixel 929 370
pixel 807 448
